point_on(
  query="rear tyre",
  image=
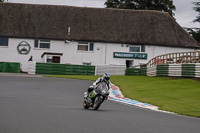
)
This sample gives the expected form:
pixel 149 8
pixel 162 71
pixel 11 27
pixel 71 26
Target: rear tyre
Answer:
pixel 85 105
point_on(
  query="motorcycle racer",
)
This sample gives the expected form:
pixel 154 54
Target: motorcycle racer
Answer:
pixel 105 78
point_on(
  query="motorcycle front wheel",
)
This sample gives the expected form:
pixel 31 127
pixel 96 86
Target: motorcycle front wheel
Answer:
pixel 97 102
pixel 85 105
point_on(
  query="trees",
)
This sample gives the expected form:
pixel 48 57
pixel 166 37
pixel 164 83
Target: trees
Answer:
pixel 1 0
pixel 122 4
pixel 197 9
pixel 160 5
pixel 195 32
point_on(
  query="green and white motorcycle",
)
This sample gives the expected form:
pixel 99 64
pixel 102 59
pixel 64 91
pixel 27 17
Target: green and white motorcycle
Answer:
pixel 95 98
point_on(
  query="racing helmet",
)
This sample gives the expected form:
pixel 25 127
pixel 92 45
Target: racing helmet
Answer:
pixel 106 77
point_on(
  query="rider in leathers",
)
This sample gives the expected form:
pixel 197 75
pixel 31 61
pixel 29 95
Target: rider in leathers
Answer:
pixel 105 78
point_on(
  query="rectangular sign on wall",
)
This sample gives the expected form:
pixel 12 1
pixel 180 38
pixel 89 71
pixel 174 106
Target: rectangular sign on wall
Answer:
pixel 129 55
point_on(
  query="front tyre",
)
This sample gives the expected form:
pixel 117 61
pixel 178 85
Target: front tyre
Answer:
pixel 85 105
pixel 97 102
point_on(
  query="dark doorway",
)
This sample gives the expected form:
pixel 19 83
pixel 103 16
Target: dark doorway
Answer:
pixel 53 59
pixel 56 59
pixel 129 63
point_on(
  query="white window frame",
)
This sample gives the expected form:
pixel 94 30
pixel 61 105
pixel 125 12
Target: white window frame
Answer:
pixel 41 41
pixel 85 44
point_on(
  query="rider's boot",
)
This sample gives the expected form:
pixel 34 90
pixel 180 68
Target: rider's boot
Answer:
pixel 89 99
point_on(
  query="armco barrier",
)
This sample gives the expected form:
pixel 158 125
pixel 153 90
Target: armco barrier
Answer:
pixel 10 67
pixel 188 70
pixel 175 70
pixel 136 72
pixel 65 69
pixel 182 70
pixel 162 70
pixel 197 70
pixel 112 69
pixel 2 67
pixel 32 67
pixel 151 71
pixel 62 69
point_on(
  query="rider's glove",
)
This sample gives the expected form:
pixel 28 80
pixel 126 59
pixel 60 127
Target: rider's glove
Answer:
pixel 94 86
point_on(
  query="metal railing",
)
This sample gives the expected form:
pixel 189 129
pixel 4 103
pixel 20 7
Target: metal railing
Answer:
pixel 176 58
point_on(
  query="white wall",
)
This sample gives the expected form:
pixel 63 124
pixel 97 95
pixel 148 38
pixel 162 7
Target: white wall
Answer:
pixel 151 51
pixel 10 53
pixel 78 57
pixel 102 54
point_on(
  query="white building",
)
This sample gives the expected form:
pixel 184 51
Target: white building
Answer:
pixel 75 35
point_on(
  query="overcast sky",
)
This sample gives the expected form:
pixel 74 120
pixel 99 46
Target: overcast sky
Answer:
pixel 184 13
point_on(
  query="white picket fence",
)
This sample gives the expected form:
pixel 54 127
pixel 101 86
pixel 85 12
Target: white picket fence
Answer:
pixel 111 69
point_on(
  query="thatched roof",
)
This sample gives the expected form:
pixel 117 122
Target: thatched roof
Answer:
pixel 92 24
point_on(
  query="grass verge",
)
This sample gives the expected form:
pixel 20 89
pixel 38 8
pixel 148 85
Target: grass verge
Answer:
pixel 181 96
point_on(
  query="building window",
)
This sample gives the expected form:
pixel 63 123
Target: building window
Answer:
pixel 139 48
pixel 134 49
pixel 85 46
pixel 42 44
pixel 3 41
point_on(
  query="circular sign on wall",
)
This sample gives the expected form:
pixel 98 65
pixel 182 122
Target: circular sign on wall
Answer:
pixel 23 47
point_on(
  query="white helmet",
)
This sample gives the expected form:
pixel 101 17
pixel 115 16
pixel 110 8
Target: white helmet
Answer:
pixel 106 77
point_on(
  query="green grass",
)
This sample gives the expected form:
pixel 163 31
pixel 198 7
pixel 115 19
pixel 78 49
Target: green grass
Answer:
pixel 181 96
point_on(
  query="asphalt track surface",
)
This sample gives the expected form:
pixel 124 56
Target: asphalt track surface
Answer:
pixel 52 105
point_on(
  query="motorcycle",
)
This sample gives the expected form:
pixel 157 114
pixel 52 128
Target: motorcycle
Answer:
pixel 98 96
